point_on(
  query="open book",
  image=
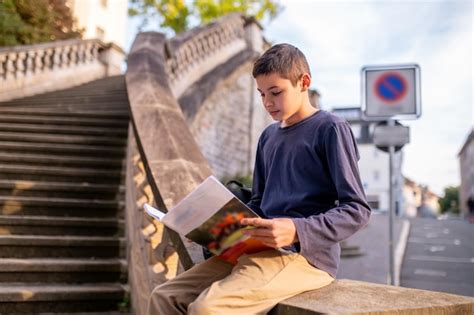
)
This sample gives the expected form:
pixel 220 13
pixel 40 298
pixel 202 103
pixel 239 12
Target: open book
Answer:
pixel 210 216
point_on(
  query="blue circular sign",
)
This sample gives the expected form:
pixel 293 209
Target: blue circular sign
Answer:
pixel 391 87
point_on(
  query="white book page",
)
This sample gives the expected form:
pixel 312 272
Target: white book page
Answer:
pixel 205 200
pixel 157 214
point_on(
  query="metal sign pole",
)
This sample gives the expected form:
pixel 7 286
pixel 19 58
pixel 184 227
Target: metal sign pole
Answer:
pixel 391 149
pixel 391 92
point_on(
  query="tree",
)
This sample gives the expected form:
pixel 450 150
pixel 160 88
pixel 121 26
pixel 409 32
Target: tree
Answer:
pixel 25 22
pixel 176 14
pixel 450 201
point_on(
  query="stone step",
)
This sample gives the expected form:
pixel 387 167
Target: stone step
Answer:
pixel 124 312
pixel 113 142
pixel 112 114
pixel 63 130
pixel 78 95
pixel 13 207
pixel 62 149
pixel 68 121
pixel 60 246
pixel 54 298
pixel 60 160
pixel 92 90
pixel 64 106
pixel 60 189
pixel 72 102
pixel 47 225
pixel 58 173
pixel 62 270
pixel 10 203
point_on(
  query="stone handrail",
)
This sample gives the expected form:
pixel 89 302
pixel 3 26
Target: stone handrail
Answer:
pixel 151 252
pixel 192 54
pixel 31 69
pixel 172 161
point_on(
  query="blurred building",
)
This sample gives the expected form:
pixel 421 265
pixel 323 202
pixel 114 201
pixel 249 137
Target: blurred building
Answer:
pixel 411 196
pixel 419 200
pixel 373 163
pixel 314 97
pixel 466 166
pixel 102 19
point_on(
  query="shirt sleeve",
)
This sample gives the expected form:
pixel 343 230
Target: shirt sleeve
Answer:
pixel 352 211
pixel 258 182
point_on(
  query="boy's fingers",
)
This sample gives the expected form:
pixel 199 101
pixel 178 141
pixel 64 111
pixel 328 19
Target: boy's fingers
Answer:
pixel 259 233
pixel 257 222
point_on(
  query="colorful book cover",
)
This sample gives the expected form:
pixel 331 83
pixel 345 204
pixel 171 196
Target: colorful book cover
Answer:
pixel 210 216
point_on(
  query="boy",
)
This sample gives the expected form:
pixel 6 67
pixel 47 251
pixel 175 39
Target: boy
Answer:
pixel 306 188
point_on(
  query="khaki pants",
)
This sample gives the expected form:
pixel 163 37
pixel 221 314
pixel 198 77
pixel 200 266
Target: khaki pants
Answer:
pixel 253 286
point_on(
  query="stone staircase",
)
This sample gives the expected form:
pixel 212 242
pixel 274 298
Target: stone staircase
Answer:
pixel 62 247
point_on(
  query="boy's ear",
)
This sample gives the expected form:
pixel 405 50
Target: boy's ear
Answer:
pixel 305 82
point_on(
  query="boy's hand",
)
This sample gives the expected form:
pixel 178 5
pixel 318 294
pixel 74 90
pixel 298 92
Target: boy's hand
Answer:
pixel 276 233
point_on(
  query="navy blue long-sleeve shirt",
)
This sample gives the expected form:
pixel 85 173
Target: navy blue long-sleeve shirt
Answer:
pixel 308 172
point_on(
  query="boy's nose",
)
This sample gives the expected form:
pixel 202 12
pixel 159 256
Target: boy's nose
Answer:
pixel 267 102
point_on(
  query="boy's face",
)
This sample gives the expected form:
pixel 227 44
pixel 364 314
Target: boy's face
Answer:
pixel 283 101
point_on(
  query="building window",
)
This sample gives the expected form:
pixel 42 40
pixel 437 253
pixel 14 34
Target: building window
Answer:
pixel 373 201
pixel 376 175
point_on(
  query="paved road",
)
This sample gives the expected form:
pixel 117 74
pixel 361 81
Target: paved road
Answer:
pixel 373 265
pixel 440 256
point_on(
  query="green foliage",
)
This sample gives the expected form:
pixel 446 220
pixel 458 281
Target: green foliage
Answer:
pixel 175 14
pixel 450 201
pixel 124 305
pixel 209 10
pixel 25 22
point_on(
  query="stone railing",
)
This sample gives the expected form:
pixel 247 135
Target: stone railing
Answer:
pixel 150 250
pixel 192 54
pixel 170 166
pixel 33 69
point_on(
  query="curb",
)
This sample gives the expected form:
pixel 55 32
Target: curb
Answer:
pixel 400 250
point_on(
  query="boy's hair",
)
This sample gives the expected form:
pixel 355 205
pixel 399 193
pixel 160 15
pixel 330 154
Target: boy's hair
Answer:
pixel 284 59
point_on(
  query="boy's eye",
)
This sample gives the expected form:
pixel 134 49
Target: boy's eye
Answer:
pixel 276 93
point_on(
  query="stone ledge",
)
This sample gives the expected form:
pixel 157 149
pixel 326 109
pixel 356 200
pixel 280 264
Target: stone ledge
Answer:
pixel 356 297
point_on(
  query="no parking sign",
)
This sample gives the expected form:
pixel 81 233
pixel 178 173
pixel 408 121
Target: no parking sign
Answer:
pixel 391 92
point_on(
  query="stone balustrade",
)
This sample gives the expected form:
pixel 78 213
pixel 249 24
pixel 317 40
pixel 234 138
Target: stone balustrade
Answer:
pixel 192 54
pixel 33 69
pixel 150 250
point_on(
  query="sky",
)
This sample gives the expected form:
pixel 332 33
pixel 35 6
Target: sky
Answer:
pixel 340 37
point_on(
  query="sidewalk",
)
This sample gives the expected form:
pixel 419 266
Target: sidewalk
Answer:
pixel 373 265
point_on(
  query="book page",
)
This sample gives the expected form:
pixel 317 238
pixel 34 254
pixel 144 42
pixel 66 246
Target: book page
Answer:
pixel 198 206
pixel 223 229
pixel 155 213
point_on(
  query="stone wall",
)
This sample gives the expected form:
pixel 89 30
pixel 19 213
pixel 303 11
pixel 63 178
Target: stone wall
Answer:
pixel 228 124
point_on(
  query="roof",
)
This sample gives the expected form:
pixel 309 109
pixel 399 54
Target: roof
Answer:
pixel 470 138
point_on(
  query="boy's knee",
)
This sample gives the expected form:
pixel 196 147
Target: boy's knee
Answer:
pixel 201 306
pixel 161 301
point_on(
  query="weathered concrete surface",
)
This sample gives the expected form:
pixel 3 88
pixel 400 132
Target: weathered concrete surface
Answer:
pixel 356 297
pixel 163 137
